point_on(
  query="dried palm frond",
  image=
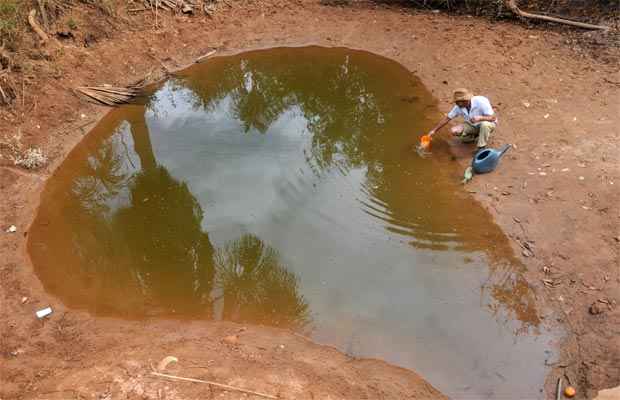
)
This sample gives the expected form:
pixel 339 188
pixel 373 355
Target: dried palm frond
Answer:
pixel 109 95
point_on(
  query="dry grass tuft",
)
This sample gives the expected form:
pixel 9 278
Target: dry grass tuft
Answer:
pixel 13 149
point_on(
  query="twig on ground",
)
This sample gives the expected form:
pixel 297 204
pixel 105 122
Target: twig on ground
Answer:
pixel 206 55
pixel 135 10
pixel 219 385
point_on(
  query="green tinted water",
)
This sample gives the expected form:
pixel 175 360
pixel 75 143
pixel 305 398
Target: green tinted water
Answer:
pixel 280 187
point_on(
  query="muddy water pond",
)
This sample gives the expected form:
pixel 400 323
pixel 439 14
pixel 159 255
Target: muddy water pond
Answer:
pixel 279 187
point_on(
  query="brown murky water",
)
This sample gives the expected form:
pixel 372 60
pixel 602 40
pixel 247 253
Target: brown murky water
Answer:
pixel 280 187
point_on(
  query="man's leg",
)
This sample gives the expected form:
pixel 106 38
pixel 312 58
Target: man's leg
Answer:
pixel 485 130
pixel 469 133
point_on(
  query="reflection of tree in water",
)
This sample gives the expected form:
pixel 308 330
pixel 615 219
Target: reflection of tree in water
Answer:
pixel 139 230
pixel 337 97
pixel 138 247
pixel 348 109
pixel 347 112
pixel 160 237
pixel 512 296
pixel 103 179
pixel 155 241
pixel 256 287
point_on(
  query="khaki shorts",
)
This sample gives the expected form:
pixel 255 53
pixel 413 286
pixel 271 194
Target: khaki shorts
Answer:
pixel 469 133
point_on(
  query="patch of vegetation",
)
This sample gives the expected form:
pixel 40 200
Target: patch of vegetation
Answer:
pixel 10 16
pixel 72 24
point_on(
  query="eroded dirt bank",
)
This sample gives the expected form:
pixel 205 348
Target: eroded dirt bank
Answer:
pixel 557 189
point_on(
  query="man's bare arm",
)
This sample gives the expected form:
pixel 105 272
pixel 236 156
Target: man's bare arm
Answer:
pixel 440 125
pixel 480 118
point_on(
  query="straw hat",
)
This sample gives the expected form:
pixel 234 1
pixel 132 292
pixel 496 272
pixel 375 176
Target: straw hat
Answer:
pixel 462 95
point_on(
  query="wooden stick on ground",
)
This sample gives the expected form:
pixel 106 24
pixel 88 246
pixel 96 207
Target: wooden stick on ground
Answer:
pixel 35 27
pixel 512 5
pixel 219 385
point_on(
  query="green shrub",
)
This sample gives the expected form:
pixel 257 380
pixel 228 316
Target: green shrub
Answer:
pixel 9 22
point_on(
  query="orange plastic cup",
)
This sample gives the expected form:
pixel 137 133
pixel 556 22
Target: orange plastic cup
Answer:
pixel 425 141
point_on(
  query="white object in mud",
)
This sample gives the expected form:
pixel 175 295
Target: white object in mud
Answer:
pixel 12 229
pixel 44 312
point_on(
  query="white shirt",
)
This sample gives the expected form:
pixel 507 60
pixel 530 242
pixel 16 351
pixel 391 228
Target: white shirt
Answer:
pixel 480 107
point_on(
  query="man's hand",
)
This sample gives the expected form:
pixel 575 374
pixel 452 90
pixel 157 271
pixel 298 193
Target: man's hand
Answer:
pixel 431 132
pixel 475 119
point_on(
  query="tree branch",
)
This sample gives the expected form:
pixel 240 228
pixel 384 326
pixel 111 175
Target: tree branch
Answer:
pixel 512 5
pixel 35 27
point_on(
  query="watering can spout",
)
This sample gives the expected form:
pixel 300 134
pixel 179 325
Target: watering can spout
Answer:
pixel 504 149
pixel 487 159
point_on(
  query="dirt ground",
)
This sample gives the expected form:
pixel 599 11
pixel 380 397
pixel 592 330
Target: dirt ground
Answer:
pixel 557 192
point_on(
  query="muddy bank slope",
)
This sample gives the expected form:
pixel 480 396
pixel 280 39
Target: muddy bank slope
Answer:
pixel 558 191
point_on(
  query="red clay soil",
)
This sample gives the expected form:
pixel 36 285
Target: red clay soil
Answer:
pixel 559 189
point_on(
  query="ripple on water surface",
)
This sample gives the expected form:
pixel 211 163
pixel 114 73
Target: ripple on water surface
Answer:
pixel 279 187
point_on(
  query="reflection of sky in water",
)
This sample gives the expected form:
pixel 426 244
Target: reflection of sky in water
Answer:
pixel 240 180
pixel 369 236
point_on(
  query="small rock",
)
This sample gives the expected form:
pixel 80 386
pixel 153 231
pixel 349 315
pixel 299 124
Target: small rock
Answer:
pixel 65 34
pixel 617 239
pixel 12 229
pixel 527 253
pixel 24 300
pixel 546 116
pixel 17 352
pixel 232 340
pixel 595 309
